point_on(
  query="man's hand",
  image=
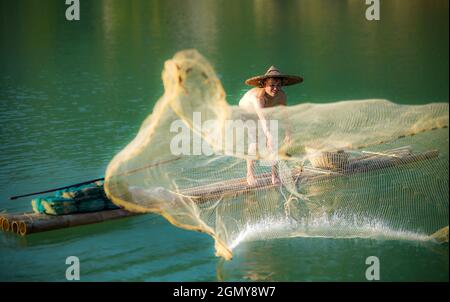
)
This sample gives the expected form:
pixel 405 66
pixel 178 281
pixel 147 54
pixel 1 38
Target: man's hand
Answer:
pixel 287 138
pixel 270 142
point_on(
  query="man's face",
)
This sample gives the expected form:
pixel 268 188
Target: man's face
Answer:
pixel 272 86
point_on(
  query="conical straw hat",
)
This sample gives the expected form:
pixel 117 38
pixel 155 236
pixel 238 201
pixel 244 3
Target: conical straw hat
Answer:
pixel 273 72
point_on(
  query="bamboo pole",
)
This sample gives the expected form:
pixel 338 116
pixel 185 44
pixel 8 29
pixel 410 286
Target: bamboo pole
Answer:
pixel 15 226
pixel 5 224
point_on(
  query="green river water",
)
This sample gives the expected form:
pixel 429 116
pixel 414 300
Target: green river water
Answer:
pixel 73 94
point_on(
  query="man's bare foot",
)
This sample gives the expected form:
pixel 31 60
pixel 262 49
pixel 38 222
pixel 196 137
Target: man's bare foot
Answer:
pixel 275 179
pixel 251 180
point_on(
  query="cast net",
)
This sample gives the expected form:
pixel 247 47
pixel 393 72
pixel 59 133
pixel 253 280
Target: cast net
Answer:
pixel 366 168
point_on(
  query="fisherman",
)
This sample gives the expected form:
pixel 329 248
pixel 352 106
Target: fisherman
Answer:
pixel 267 93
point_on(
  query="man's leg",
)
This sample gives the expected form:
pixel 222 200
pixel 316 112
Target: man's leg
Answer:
pixel 251 180
pixel 275 178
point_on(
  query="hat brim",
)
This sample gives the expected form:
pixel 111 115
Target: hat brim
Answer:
pixel 287 80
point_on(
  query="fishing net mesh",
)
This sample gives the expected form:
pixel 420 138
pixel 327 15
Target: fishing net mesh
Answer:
pixel 366 168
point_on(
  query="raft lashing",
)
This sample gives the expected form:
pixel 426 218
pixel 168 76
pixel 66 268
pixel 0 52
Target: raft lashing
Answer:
pixel 70 207
pixel 88 203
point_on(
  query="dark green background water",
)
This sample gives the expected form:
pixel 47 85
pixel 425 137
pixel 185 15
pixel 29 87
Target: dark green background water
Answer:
pixel 73 94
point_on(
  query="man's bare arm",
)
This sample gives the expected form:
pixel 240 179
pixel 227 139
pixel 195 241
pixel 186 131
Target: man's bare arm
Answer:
pixel 259 105
pixel 286 119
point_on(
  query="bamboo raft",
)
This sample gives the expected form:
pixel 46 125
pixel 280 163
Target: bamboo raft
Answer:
pixel 28 223
pixel 369 162
pixel 327 165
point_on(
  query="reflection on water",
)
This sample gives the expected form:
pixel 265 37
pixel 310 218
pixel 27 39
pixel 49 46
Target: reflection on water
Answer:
pixel 316 259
